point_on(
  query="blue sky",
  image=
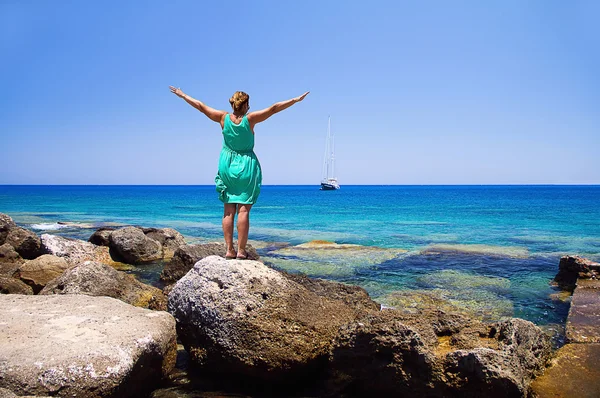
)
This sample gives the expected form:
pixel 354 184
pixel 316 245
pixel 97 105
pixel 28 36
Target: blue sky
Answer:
pixel 423 92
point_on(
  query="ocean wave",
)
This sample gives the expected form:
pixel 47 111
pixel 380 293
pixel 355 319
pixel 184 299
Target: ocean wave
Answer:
pixel 47 226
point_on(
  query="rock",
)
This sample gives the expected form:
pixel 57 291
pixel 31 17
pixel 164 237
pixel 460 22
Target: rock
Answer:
pixel 169 239
pixel 9 255
pixel 6 224
pixel 25 242
pixel 102 236
pixel 97 279
pixel 134 247
pixel 242 318
pixel 506 372
pixel 76 345
pixel 186 256
pixel 380 356
pixel 10 285
pixel 354 296
pixel 37 273
pixel 436 354
pixel 76 251
pixel 572 267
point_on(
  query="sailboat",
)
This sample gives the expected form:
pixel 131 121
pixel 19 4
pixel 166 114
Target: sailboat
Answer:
pixel 329 182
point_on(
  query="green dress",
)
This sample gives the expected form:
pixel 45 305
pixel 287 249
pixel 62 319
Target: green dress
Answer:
pixel 239 177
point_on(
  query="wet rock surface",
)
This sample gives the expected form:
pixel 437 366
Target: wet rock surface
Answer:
pixel 76 345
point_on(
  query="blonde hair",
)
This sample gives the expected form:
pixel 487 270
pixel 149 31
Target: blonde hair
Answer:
pixel 238 99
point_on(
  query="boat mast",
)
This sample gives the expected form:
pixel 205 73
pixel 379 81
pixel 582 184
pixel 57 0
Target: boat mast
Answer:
pixel 326 156
pixel 332 150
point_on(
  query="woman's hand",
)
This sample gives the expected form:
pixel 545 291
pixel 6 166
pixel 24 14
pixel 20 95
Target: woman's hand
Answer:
pixel 178 92
pixel 300 98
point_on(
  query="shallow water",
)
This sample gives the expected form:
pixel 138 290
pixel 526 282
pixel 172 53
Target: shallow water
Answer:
pixel 475 246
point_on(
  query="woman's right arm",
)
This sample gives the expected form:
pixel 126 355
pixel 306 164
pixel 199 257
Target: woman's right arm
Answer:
pixel 264 114
pixel 212 114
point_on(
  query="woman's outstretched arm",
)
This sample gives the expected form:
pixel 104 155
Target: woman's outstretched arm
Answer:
pixel 212 114
pixel 264 114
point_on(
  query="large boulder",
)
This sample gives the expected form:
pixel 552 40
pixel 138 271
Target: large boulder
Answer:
pixel 97 279
pixel 6 223
pixel 25 242
pixel 187 255
pixel 76 251
pixel 76 345
pixel 10 285
pixel 102 236
pixel 241 317
pixel 437 354
pixel 38 272
pixel 134 247
pixel 169 239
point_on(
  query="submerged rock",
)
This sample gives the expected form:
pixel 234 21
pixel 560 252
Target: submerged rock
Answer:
pixel 97 279
pixel 37 273
pixel 76 345
pixel 242 318
pixel 134 247
pixel 187 255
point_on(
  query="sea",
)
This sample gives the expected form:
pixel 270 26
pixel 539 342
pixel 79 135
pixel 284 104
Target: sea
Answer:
pixel 491 251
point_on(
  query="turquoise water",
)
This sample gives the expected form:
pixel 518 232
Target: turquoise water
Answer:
pixel 489 249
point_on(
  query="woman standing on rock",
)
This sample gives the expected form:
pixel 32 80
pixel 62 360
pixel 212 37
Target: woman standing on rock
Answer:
pixel 239 177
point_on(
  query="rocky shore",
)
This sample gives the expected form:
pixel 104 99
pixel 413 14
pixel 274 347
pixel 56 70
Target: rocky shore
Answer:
pixel 74 324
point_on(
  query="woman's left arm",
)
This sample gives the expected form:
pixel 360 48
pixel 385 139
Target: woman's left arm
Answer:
pixel 211 113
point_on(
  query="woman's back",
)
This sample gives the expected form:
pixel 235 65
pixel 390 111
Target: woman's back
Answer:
pixel 238 137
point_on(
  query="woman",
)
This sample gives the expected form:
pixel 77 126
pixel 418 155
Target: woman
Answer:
pixel 239 177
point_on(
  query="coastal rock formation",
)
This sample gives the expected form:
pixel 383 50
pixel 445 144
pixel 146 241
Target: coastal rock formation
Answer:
pixel 76 345
pixel 102 236
pixel 187 255
pixel 571 268
pixel 37 273
pixel 25 242
pixel 436 354
pixel 243 318
pixel 76 251
pixel 6 223
pixel 10 285
pixel 97 279
pixel 354 296
pixel 9 255
pixel 134 247
pixel 169 239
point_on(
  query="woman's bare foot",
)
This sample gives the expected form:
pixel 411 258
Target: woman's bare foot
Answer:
pixel 242 255
pixel 230 255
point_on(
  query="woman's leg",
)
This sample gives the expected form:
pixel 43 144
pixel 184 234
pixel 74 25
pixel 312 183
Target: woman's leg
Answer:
pixel 228 218
pixel 243 226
